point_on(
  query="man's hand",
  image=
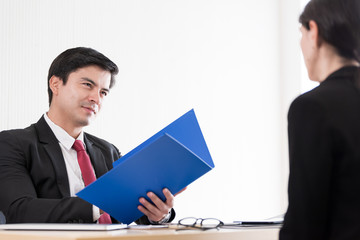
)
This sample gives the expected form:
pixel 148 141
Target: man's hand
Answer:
pixel 157 210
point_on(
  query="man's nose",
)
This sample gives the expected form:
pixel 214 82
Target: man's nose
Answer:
pixel 95 96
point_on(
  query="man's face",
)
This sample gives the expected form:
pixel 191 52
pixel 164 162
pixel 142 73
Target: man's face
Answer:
pixel 80 99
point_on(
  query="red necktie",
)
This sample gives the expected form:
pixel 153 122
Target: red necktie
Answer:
pixel 87 173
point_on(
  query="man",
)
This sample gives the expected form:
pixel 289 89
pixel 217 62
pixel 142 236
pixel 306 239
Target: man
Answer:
pixel 42 168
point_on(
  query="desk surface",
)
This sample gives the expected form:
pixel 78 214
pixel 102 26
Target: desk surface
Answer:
pixel 152 234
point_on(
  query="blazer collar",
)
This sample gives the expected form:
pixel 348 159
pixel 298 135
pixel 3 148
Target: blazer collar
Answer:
pixel 96 156
pixel 52 148
pixel 348 72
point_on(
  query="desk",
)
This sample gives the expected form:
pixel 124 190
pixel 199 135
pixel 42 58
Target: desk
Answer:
pixel 153 234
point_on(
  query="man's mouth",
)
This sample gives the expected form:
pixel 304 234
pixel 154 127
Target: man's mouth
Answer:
pixel 91 109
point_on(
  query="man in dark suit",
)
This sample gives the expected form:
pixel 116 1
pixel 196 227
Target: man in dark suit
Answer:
pixel 39 169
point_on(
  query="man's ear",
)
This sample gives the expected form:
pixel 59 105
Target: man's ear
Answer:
pixel 54 84
pixel 314 33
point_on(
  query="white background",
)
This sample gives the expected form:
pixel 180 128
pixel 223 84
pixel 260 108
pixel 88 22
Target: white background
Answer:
pixel 236 62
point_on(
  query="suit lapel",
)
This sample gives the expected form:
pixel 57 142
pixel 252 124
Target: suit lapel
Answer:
pixel 96 157
pixel 51 146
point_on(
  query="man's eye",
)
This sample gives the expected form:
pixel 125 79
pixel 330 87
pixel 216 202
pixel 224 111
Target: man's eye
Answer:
pixel 104 93
pixel 87 84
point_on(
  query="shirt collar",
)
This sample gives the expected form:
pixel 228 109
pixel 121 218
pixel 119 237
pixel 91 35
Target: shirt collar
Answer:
pixel 62 136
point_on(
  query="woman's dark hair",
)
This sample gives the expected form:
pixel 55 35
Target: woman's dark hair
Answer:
pixel 338 22
pixel 72 59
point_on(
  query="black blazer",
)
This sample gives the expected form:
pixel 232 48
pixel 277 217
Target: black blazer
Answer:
pixel 34 186
pixel 324 148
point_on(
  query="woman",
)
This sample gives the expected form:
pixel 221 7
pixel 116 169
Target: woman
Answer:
pixel 324 127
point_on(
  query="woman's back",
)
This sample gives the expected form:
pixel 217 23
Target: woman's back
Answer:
pixel 324 140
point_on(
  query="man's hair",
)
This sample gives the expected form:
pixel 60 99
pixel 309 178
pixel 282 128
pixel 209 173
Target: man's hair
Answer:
pixel 74 58
pixel 338 22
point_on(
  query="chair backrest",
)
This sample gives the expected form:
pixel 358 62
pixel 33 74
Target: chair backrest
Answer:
pixel 2 218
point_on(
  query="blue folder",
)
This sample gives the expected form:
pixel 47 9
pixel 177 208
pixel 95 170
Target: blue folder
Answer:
pixel 172 158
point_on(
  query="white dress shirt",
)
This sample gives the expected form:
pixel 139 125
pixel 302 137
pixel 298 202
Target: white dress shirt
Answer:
pixel 73 170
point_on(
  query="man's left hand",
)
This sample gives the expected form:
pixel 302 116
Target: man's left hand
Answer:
pixel 158 209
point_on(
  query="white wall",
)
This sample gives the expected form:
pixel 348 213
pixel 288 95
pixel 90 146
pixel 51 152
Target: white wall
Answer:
pixel 228 59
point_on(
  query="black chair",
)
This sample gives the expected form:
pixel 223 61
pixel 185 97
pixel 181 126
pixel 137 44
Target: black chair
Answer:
pixel 2 218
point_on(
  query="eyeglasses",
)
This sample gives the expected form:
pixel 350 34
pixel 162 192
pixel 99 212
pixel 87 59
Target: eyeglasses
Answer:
pixel 201 223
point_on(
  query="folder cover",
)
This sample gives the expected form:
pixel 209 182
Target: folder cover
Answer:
pixel 172 158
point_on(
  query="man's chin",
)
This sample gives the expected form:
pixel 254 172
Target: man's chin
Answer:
pixel 85 122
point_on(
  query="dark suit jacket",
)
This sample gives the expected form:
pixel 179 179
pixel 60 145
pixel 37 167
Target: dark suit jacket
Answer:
pixel 34 185
pixel 324 148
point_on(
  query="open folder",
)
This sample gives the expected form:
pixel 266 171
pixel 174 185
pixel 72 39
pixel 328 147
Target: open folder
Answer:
pixel 172 158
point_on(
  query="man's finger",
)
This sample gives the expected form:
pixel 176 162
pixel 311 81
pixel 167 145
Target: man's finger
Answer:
pixel 169 198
